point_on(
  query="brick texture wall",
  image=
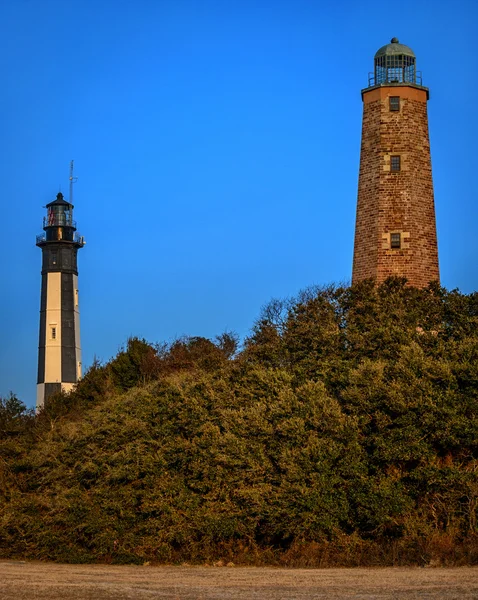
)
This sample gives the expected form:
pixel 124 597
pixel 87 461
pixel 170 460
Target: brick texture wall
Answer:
pixel 395 202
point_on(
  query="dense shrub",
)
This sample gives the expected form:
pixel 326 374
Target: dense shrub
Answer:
pixel 344 432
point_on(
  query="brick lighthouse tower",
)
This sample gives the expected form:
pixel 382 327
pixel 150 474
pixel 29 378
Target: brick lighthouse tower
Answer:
pixel 395 231
pixel 59 351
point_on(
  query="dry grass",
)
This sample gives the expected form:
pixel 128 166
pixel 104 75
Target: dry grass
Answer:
pixel 42 581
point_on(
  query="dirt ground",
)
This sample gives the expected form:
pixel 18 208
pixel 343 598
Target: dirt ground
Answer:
pixel 32 581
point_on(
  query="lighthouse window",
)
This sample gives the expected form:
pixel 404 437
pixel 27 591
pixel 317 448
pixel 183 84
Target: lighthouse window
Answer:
pixel 395 241
pixel 53 333
pixel 395 163
pixel 395 103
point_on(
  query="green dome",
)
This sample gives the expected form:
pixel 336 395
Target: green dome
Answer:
pixel 394 49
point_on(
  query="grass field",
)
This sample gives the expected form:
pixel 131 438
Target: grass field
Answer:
pixel 32 581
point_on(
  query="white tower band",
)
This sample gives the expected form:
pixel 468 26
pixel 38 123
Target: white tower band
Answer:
pixel 59 349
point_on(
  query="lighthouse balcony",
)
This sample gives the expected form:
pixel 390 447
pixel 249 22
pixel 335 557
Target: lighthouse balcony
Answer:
pixel 395 76
pixel 76 238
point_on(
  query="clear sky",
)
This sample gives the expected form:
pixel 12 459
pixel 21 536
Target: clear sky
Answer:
pixel 216 145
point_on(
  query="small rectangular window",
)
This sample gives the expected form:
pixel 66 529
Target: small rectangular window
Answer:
pixel 395 103
pixel 395 163
pixel 53 333
pixel 395 241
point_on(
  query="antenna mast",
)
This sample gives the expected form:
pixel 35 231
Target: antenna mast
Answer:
pixel 72 181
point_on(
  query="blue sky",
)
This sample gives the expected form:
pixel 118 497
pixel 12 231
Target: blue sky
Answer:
pixel 216 145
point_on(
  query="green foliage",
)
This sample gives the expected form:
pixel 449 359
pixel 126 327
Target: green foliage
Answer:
pixel 14 416
pixel 344 432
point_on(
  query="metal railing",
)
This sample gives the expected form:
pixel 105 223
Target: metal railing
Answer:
pixel 77 239
pixel 394 78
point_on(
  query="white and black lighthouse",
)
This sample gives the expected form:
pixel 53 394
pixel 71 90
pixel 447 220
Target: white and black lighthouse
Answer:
pixel 59 349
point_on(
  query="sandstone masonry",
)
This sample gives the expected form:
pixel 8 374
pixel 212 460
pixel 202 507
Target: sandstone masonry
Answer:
pixel 392 202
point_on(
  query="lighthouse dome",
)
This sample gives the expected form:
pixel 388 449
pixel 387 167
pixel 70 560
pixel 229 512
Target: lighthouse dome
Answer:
pixel 394 49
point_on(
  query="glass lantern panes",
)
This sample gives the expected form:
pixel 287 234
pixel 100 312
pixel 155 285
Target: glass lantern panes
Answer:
pixel 395 68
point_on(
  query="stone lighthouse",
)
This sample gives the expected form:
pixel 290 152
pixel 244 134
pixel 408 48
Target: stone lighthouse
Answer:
pixel 395 231
pixel 59 350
